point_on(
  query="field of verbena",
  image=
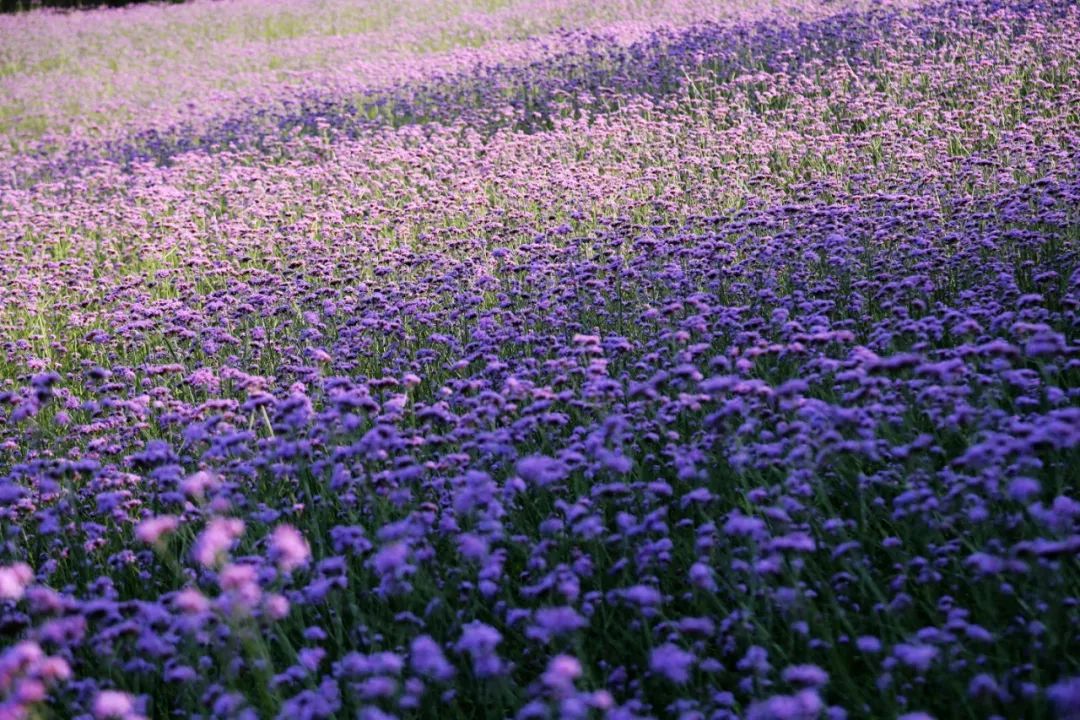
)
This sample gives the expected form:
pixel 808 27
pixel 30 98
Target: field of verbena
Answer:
pixel 541 359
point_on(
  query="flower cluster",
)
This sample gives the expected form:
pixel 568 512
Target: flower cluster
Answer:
pixel 720 368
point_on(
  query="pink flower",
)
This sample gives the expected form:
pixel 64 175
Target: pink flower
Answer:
pixel 54 668
pixel 24 654
pixel 561 673
pixel 216 539
pixel 190 600
pixel 14 579
pixel 113 704
pixel 151 530
pixel 236 577
pixel 196 485
pixel 242 584
pixel 29 691
pixel 602 700
pixel 276 606
pixel 289 548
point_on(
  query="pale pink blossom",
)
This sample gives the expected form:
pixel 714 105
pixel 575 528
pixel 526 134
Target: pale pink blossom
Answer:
pixel 289 548
pixel 190 600
pixel 216 539
pixel 151 530
pixel 113 704
pixel 197 484
pixel 276 606
pixel 14 579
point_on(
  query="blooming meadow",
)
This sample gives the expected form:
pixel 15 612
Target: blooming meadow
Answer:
pixel 541 359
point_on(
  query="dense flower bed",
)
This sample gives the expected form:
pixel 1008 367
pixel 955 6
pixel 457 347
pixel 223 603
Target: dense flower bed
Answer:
pixel 719 370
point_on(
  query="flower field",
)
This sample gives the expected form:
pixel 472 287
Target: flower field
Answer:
pixel 541 359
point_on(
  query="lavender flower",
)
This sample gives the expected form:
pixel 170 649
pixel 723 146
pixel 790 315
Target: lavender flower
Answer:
pixel 672 662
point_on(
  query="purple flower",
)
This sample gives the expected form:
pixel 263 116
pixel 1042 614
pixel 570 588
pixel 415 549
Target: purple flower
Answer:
pixel 426 658
pixel 805 675
pixel 919 657
pixel 741 525
pixel 643 595
pixel 803 705
pixel 672 662
pixel 541 471
pixel 701 576
pixel 756 660
pixel 479 640
pixel 1065 697
pixel 868 644
pixel 549 622
pixel 391 558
